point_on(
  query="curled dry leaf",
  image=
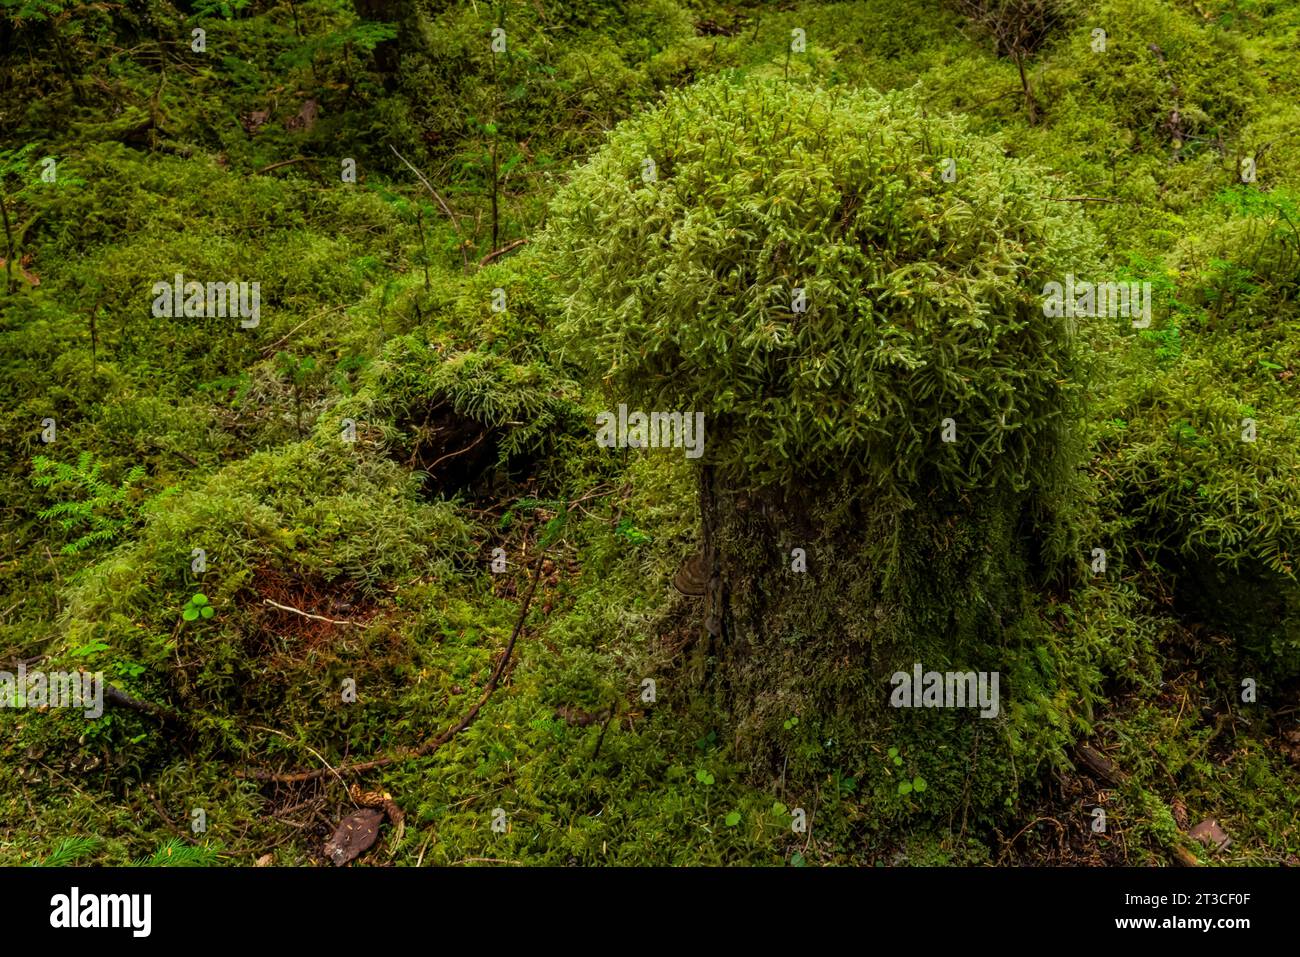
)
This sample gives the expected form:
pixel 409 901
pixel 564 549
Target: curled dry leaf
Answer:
pixel 356 834
pixel 692 577
pixel 1209 832
pixel 305 119
pixel 1291 745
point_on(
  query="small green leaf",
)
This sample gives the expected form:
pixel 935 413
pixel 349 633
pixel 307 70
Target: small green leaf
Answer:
pixel 733 819
pixel 905 787
pixel 918 784
pixel 190 613
pixel 200 599
pixel 551 531
pixel 207 611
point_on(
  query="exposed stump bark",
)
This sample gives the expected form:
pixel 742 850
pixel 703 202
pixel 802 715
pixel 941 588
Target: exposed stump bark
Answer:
pixel 884 587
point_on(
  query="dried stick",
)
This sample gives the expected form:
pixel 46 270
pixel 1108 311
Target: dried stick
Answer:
pixel 1085 199
pixel 441 202
pixel 332 621
pixel 501 252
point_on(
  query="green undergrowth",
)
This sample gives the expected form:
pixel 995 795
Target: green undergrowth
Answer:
pixel 182 434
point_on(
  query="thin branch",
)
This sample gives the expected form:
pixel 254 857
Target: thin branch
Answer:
pixel 285 338
pixel 449 455
pixel 501 252
pixel 485 860
pixel 332 621
pixel 267 169
pixel 613 709
pixel 1085 199
pixel 319 757
pixel 441 202
pixel 180 455
pixel 158 712
pixel 306 161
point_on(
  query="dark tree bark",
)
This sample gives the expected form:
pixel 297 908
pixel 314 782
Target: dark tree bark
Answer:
pixel 884 588
pixel 387 56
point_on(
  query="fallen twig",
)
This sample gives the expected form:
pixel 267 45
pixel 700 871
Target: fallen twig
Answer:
pixel 285 338
pixel 502 251
pixel 441 202
pixel 290 162
pixel 304 160
pixel 162 812
pixel 1100 766
pixel 450 455
pixel 160 712
pixel 180 455
pixel 1106 771
pixel 1085 199
pixel 603 728
pixel 332 621
pixel 485 860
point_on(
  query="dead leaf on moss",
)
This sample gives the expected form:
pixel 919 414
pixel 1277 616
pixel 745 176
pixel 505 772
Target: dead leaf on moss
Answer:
pixel 305 119
pixel 1291 745
pixel 356 834
pixel 1209 833
pixel 30 277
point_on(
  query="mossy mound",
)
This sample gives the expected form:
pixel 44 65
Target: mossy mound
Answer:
pixel 307 530
pixel 822 294
pixel 375 308
pixel 1199 446
pixel 838 302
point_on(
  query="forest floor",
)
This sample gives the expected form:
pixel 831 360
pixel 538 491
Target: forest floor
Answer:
pixel 195 458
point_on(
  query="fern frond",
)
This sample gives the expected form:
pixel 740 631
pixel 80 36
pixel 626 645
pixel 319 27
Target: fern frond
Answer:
pixel 68 851
pixel 176 853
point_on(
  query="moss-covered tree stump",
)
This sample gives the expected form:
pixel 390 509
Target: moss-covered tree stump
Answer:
pixel 850 291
